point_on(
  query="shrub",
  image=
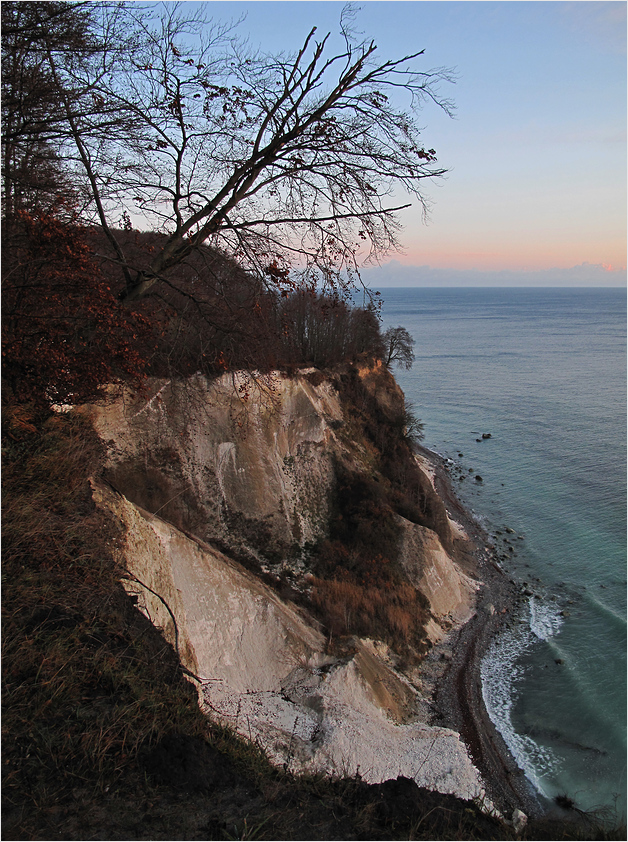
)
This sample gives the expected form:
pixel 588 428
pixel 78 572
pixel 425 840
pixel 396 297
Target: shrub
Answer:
pixel 383 607
pixel 359 588
pixel 64 335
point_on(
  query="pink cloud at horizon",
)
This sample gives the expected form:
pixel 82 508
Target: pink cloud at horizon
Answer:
pixel 498 262
pixel 395 273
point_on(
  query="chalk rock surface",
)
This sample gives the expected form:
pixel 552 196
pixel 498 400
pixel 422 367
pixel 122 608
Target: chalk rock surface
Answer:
pixel 200 477
pixel 246 462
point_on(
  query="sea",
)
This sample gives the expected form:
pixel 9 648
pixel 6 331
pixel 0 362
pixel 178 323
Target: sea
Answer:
pixel 543 371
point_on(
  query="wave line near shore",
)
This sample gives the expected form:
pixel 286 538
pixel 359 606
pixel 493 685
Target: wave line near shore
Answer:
pixel 459 698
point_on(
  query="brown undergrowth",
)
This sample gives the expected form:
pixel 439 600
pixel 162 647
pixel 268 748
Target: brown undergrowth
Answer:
pixel 359 587
pixel 85 680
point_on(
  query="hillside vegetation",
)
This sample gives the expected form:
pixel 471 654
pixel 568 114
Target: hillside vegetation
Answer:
pixel 102 733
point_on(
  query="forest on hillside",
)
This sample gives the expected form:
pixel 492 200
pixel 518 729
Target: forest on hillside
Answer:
pixel 173 202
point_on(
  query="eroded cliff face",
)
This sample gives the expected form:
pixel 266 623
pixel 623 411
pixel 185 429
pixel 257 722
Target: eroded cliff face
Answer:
pixel 428 566
pixel 202 479
pixel 241 463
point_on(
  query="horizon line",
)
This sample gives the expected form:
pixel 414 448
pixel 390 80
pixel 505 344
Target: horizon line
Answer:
pixel 509 286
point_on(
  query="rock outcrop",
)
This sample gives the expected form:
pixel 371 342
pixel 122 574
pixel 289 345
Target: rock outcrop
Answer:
pixel 450 592
pixel 243 463
pixel 208 474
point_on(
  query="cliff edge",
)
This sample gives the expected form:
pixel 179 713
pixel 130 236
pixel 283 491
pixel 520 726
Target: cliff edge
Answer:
pixel 232 495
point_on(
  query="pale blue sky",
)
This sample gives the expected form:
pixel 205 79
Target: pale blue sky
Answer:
pixel 537 149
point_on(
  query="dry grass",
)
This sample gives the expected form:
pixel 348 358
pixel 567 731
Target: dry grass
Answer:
pixel 391 611
pixel 360 589
pixel 83 678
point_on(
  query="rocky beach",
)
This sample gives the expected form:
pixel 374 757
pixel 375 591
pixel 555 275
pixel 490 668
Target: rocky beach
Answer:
pixel 454 664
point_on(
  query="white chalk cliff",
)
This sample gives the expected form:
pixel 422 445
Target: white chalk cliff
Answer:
pixel 207 473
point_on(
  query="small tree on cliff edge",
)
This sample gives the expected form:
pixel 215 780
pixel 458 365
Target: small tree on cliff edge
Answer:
pixel 277 160
pixel 398 347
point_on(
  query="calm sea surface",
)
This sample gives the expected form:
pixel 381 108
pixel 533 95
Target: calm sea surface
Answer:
pixel 543 371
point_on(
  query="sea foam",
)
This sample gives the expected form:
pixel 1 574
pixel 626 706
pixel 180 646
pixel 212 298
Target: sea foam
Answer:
pixel 501 673
pixel 545 618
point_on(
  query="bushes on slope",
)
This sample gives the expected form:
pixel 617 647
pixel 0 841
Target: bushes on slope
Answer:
pixel 87 680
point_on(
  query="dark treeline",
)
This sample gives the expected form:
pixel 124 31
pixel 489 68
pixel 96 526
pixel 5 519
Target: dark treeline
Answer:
pixel 320 330
pixel 214 316
pixel 65 334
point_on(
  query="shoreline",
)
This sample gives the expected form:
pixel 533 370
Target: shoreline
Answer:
pixel 457 699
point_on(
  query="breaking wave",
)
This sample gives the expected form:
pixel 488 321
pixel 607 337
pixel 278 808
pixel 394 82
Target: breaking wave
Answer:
pixel 501 673
pixel 545 619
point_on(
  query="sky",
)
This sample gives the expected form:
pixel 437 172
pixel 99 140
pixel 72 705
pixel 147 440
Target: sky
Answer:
pixel 535 192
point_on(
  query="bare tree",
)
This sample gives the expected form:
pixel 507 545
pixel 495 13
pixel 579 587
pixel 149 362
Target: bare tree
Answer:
pixel 323 330
pixel 285 161
pixel 398 347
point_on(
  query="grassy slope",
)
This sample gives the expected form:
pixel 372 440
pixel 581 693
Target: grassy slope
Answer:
pixel 102 737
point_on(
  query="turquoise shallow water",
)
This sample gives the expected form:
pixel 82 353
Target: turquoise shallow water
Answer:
pixel 544 371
